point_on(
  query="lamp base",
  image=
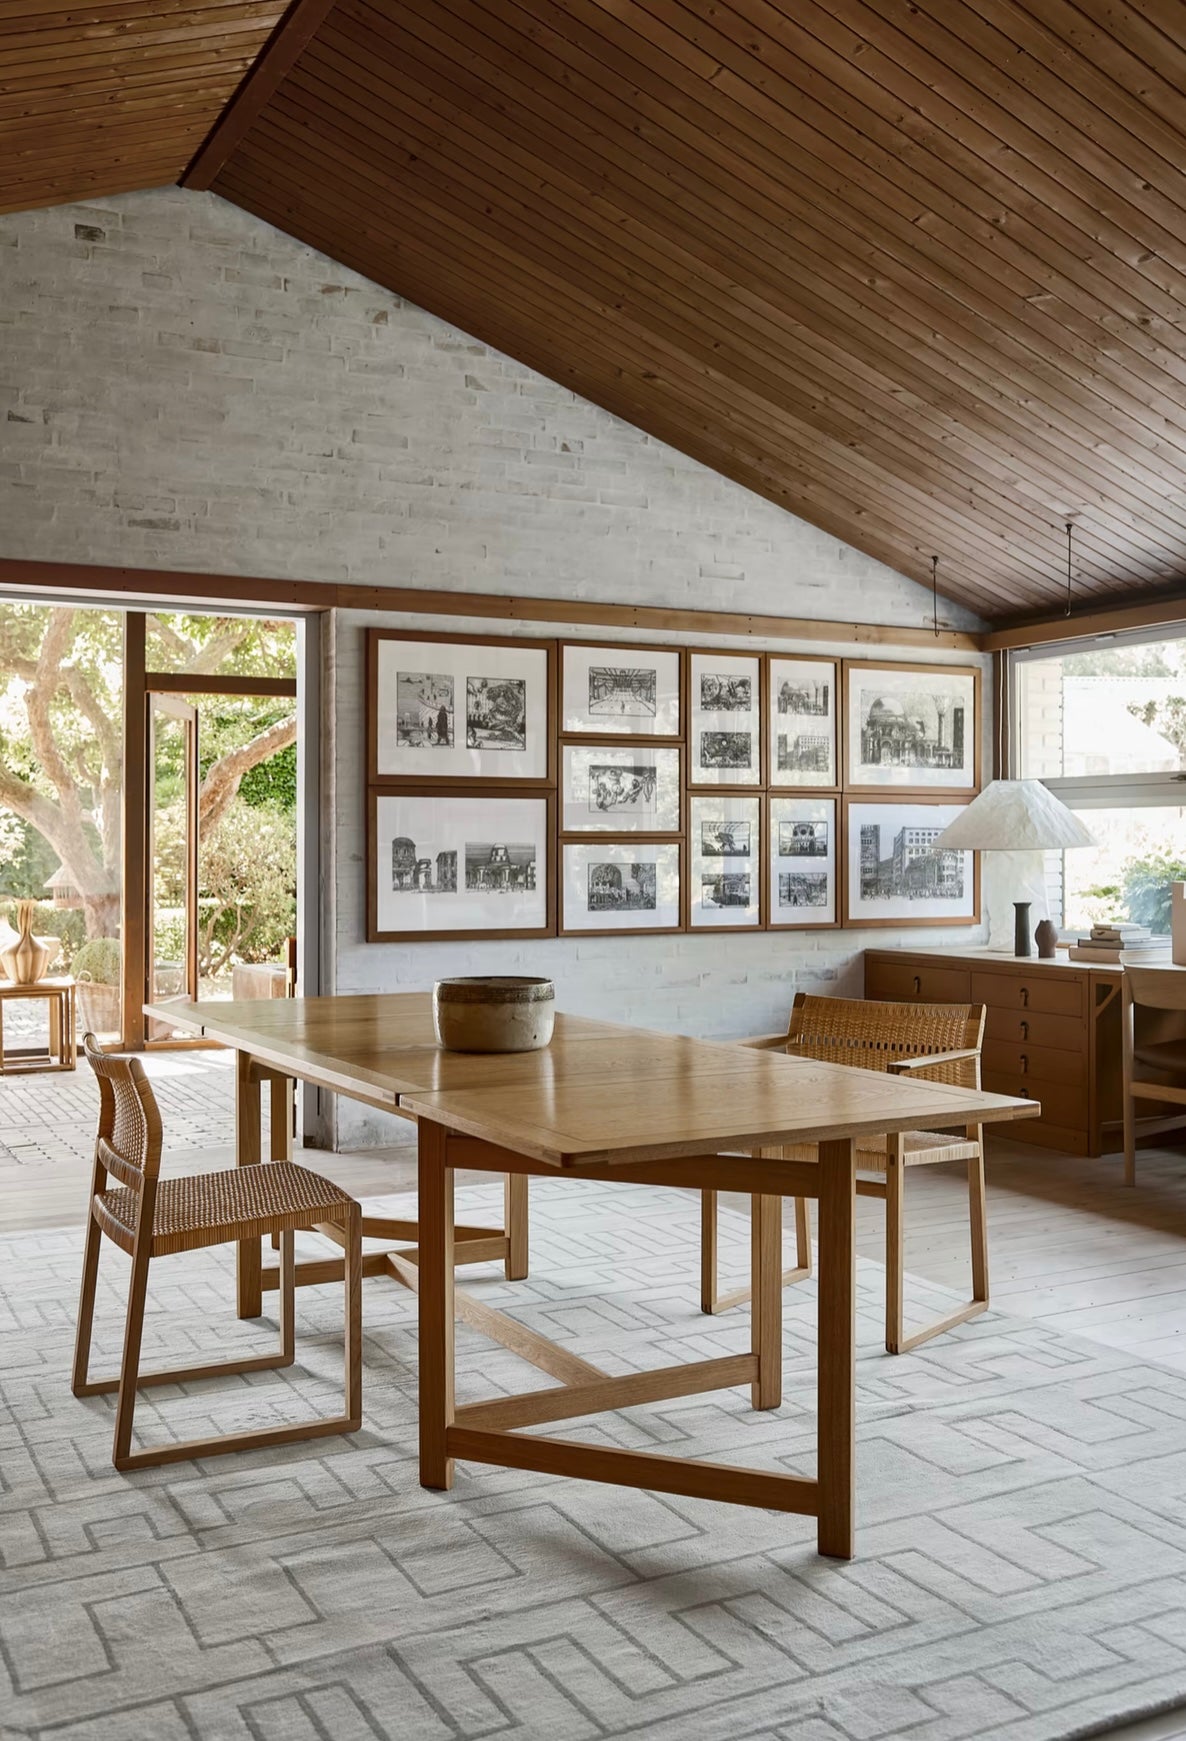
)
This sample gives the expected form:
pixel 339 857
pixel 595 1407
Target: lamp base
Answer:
pixel 1022 942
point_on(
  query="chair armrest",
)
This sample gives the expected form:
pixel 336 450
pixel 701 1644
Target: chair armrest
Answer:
pixel 912 1066
pixel 764 1042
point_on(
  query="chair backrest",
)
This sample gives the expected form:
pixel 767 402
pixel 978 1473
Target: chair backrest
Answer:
pixel 872 1036
pixel 1156 988
pixel 128 1143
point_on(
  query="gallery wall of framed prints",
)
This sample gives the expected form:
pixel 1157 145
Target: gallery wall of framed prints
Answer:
pixel 527 788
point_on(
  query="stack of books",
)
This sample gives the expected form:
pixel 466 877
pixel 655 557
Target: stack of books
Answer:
pixel 1107 943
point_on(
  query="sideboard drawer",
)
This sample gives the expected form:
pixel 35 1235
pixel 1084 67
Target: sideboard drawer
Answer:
pixel 1061 1103
pixel 1021 991
pixel 1027 1029
pixel 916 982
pixel 1034 1063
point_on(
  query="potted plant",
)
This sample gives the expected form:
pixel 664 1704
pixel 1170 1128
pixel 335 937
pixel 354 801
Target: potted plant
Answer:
pixel 97 971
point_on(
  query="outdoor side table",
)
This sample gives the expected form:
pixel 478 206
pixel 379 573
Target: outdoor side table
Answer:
pixel 22 1059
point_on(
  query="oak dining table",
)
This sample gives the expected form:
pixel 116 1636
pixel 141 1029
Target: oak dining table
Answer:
pixel 602 1101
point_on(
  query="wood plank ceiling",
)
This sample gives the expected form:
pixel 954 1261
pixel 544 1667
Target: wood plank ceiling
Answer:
pixel 101 99
pixel 913 269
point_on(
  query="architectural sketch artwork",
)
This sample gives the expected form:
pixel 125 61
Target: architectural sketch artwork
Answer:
pixel 804 752
pixel 622 888
pixel 802 888
pixel 805 696
pixel 496 713
pixel 918 729
pixel 726 889
pixel 726 749
pixel 626 790
pixel 493 868
pixel 411 874
pixel 903 864
pixel 424 709
pixel 721 692
pixel 725 839
pixel 802 840
pixel 617 691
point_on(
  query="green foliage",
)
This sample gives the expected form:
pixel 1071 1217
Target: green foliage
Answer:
pixel 247 900
pixel 26 859
pixel 68 924
pixel 273 784
pixel 1143 895
pixel 99 961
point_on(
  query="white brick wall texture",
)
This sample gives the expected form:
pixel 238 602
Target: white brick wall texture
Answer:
pixel 184 387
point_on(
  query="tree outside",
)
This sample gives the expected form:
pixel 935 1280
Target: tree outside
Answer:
pixel 61 684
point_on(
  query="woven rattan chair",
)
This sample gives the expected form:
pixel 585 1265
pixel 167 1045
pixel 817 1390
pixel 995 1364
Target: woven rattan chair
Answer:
pixel 149 1217
pixel 935 1042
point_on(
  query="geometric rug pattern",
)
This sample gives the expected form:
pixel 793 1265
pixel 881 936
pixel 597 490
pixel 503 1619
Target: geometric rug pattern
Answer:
pixel 1021 1539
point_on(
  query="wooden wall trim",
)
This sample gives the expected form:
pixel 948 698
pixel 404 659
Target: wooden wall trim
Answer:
pixel 279 55
pixel 1153 613
pixel 147 585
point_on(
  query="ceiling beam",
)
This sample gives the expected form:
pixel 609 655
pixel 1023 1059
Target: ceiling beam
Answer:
pixel 272 65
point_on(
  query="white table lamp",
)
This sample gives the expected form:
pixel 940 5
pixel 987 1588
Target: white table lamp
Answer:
pixel 1022 819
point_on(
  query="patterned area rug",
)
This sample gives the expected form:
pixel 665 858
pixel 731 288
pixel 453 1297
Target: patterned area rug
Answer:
pixel 1021 1567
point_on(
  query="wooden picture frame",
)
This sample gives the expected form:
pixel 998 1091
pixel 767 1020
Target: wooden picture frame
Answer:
pixel 465 817
pixel 622 716
pixel 905 811
pixel 396 710
pixel 814 682
pixel 923 713
pixel 718 822
pixel 729 671
pixel 792 909
pixel 581 859
pixel 643 790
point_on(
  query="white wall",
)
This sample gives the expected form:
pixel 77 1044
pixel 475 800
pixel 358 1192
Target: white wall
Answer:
pixel 184 387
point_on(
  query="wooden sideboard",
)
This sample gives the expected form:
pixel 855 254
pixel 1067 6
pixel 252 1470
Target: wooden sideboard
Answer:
pixel 1052 1032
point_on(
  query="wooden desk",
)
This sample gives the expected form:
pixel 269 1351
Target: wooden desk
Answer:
pixel 58 994
pixel 605 1101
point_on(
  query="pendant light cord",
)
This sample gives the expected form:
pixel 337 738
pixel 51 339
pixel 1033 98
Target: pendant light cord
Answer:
pixel 1070 534
pixel 935 594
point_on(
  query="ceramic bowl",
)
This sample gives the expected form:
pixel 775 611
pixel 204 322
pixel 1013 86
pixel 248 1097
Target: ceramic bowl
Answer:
pixel 503 1013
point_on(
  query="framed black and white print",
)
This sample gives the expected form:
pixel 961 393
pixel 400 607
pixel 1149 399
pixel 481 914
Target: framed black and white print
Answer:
pixel 912 728
pixel 443 709
pixel 725 704
pixel 620 691
pixel 724 862
pixel 896 874
pixel 804 708
pixel 804 856
pixel 620 789
pixel 459 864
pixel 620 885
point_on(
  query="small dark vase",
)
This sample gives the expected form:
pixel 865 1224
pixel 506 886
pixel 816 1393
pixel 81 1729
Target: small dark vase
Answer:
pixel 1021 928
pixel 1046 937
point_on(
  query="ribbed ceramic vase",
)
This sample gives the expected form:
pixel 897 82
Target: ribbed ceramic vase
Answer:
pixel 25 960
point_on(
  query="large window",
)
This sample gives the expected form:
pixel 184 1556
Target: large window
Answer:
pixel 1104 725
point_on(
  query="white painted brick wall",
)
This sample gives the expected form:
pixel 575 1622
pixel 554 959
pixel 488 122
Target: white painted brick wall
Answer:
pixel 184 387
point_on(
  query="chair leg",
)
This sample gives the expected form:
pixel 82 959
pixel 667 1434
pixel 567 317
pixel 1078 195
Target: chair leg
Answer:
pixel 802 1238
pixel 86 1305
pixel 894 1259
pixel 978 1214
pixel 129 1372
pixel 766 1284
pixel 287 1293
pixel 708 1251
pixel 353 1321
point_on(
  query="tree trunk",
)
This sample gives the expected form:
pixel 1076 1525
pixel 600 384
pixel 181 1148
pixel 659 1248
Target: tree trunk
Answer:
pixel 102 915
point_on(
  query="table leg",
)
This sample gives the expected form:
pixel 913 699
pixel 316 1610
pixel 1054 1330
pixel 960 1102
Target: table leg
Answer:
pixel 249 1292
pixel 515 1222
pixel 837 1347
pixel 435 1294
pixel 766 1308
pixel 280 1109
pixel 54 1011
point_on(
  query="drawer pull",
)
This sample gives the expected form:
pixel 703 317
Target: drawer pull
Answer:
pixel 1024 993
pixel 1025 1030
pixel 1025 1064
pixel 917 985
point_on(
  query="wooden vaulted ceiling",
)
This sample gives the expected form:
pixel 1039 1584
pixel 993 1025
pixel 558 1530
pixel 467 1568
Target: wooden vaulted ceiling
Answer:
pixel 913 269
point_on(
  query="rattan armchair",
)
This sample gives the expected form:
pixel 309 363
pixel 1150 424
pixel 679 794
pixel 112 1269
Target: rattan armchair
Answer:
pixel 149 1217
pixel 938 1042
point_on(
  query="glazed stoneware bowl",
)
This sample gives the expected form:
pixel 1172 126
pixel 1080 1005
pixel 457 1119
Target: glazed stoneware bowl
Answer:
pixel 502 1013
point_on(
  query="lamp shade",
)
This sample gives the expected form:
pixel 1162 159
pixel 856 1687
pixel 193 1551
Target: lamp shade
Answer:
pixel 1015 816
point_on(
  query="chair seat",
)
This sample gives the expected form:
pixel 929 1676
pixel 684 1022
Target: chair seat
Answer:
pixel 921 1148
pixel 212 1208
pixel 1166 1057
